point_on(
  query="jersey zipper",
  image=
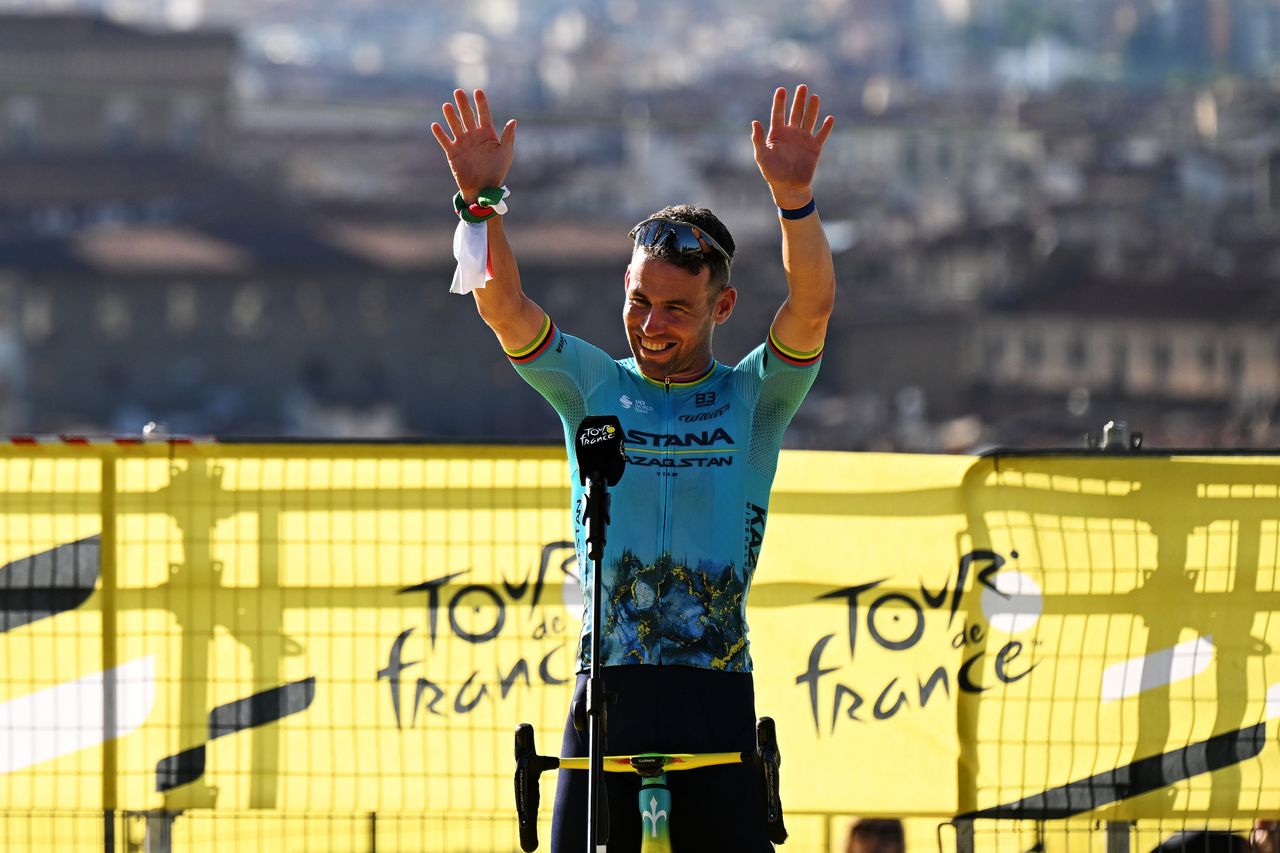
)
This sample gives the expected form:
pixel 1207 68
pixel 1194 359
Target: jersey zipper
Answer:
pixel 668 475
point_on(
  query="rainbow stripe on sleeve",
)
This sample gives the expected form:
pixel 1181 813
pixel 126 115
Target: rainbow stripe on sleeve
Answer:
pixel 790 356
pixel 535 347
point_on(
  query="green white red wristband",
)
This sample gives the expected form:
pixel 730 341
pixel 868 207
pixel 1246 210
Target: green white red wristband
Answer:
pixel 471 238
pixel 489 202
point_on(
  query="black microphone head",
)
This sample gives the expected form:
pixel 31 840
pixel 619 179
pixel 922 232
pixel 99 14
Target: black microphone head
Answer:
pixel 599 449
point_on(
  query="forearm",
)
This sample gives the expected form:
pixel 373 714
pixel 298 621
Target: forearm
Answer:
pixel 811 282
pixel 502 303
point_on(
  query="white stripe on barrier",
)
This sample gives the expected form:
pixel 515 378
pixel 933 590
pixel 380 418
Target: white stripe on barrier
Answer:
pixel 68 717
pixel 1273 701
pixel 1157 669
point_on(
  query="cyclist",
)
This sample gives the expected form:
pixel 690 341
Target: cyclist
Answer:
pixel 702 443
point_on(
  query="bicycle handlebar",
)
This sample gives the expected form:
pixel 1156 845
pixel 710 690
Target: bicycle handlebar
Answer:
pixel 657 762
pixel 530 766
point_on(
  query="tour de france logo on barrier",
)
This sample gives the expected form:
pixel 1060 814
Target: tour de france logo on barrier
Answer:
pixel 987 647
pixel 523 623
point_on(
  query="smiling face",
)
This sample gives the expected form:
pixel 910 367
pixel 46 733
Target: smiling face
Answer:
pixel 669 315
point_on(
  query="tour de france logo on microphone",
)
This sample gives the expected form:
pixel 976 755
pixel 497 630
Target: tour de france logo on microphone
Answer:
pixel 595 434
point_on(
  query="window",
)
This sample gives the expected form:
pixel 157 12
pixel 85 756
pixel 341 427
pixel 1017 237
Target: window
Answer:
pixel 189 123
pixel 1119 362
pixel 314 309
pixel 1235 363
pixel 121 119
pixel 37 316
pixel 992 352
pixel 1161 360
pixel 22 123
pixel 1032 350
pixel 1208 356
pixel 248 311
pixel 182 310
pixel 114 316
pixel 1077 351
pixel 375 314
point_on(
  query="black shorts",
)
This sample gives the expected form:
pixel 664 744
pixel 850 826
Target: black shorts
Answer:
pixel 670 709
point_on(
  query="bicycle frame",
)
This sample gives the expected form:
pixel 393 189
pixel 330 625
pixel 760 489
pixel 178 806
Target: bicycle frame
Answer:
pixel 655 797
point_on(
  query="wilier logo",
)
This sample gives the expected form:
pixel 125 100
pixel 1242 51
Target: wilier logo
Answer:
pixel 704 416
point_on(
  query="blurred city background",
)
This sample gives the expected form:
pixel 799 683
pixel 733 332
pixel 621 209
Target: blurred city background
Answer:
pixel 230 217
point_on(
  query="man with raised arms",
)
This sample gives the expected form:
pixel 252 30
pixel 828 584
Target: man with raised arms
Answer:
pixel 702 442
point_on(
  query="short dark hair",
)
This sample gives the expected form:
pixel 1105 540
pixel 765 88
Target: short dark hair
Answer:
pixel 881 834
pixel 707 221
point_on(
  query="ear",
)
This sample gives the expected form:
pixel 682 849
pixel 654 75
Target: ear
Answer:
pixel 724 304
pixel 626 277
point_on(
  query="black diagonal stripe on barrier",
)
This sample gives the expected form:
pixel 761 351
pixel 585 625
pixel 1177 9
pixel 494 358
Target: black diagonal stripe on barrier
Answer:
pixel 256 710
pixel 1140 777
pixel 185 767
pixel 48 583
pixel 262 708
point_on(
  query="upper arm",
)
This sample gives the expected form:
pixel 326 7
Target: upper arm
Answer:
pixel 518 328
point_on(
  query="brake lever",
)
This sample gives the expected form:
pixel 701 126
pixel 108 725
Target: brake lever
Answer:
pixel 529 767
pixel 769 758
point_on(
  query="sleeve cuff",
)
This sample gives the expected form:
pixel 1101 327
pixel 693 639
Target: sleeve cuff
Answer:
pixel 535 347
pixel 790 356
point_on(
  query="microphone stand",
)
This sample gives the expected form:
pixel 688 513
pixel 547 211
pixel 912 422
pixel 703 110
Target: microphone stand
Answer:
pixel 597 518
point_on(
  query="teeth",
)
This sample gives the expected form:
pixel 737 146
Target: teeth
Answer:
pixel 654 347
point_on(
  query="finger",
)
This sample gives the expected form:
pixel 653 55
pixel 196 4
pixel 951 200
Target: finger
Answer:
pixel 464 109
pixel 797 106
pixel 443 138
pixel 454 121
pixel 811 112
pixel 825 130
pixel 509 134
pixel 776 118
pixel 757 136
pixel 483 114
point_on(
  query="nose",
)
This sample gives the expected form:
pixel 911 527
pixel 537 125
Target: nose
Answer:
pixel 652 323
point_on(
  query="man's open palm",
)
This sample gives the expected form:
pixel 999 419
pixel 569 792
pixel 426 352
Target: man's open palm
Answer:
pixel 477 156
pixel 788 154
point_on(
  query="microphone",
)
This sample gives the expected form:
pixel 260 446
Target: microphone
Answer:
pixel 600 454
pixel 599 449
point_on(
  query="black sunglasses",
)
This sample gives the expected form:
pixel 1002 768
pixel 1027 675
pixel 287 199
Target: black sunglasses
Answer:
pixel 686 239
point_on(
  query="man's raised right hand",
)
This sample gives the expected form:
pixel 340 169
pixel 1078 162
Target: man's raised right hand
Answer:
pixel 477 156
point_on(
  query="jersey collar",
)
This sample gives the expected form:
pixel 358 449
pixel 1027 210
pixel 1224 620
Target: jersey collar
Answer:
pixel 689 383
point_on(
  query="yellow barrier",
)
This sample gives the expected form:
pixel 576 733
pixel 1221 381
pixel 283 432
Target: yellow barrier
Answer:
pixel 329 646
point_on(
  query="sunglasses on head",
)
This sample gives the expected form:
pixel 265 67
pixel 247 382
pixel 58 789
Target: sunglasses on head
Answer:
pixel 684 238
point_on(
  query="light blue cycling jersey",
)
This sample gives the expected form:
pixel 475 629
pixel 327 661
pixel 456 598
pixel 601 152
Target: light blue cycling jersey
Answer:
pixel 688 515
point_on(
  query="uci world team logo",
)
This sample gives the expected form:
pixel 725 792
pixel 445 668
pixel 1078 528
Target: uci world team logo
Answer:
pixel 640 407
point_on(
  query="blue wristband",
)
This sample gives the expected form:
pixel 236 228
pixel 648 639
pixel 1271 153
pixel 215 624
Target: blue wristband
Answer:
pixel 799 212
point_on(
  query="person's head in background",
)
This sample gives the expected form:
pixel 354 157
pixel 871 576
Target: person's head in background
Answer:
pixel 1266 836
pixel 876 835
